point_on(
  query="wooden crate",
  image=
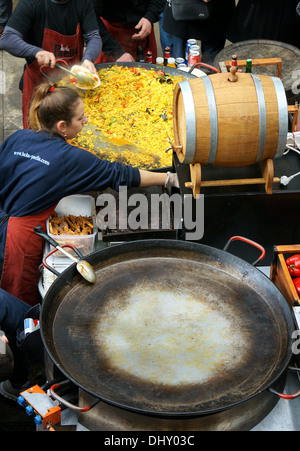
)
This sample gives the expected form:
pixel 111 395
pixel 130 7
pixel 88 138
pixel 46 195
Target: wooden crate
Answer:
pixel 279 273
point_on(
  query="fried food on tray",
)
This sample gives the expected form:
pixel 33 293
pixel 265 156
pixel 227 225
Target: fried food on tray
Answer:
pixel 70 225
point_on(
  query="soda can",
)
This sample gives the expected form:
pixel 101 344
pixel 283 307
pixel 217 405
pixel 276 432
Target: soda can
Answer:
pixel 194 57
pixel 195 47
pixel 179 61
pixel 30 325
pixel 189 43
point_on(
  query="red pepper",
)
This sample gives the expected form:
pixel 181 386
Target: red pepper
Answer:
pixel 297 284
pixel 293 264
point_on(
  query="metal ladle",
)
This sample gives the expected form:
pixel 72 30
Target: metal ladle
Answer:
pixel 82 78
pixel 83 267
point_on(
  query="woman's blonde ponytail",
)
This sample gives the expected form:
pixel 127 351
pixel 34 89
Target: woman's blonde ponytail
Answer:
pixel 41 92
pixel 51 104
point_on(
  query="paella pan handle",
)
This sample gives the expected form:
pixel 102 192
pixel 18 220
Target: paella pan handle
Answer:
pixel 208 66
pixel 45 264
pixel 67 403
pixel 246 240
pixel 38 230
pixel 283 395
pixel 84 268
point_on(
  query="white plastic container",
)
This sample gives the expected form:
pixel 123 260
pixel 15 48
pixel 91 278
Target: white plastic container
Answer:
pixel 77 205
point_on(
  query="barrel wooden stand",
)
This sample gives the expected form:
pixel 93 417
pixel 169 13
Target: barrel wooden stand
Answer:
pixel 268 179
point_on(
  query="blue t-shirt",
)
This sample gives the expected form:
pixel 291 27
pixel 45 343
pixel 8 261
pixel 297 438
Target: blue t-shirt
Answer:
pixel 37 170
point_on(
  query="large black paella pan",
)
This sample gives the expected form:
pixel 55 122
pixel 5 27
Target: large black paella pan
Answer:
pixel 169 328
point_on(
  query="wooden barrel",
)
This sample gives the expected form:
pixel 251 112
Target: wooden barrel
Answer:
pixel 224 123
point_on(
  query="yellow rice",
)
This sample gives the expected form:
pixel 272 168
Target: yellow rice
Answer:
pixel 131 107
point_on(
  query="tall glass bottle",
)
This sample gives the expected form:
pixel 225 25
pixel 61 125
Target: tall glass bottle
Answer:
pixel 249 66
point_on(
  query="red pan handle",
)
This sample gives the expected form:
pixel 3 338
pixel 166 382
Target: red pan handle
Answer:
pixel 246 240
pixel 208 66
pixel 45 264
pixel 67 403
pixel 283 395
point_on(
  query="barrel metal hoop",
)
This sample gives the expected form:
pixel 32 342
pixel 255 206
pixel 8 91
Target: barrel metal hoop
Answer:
pixel 262 117
pixel 282 116
pixel 190 121
pixel 212 107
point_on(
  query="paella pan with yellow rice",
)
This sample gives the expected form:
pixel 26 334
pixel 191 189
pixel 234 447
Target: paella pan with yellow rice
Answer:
pixel 130 114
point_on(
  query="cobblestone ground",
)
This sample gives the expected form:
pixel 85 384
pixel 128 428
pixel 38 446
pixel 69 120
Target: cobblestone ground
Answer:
pixel 11 69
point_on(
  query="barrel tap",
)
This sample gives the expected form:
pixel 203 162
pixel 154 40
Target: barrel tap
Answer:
pixel 233 76
pixel 173 147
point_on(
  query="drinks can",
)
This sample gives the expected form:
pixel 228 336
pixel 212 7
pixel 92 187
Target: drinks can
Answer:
pixel 30 325
pixel 182 66
pixel 179 61
pixel 189 43
pixel 195 47
pixel 194 57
